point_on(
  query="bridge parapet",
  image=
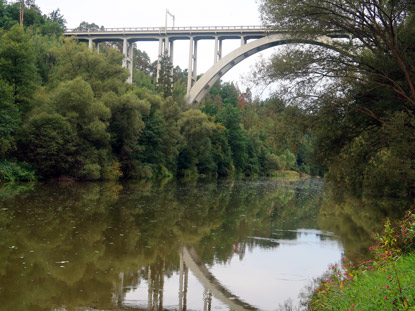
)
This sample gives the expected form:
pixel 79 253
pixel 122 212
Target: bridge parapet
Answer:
pixel 168 29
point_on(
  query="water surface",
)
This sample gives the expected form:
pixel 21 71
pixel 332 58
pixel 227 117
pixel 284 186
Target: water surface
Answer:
pixel 240 245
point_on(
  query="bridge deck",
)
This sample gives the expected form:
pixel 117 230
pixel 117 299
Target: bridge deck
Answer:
pixel 175 33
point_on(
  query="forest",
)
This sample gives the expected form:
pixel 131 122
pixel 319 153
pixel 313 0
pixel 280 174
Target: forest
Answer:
pixel 346 114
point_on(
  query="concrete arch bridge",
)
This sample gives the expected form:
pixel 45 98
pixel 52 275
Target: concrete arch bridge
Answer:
pixel 253 40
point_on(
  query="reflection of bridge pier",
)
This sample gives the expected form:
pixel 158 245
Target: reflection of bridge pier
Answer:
pixel 189 260
pixel 155 275
pixel 183 287
pixel 211 284
pixel 183 284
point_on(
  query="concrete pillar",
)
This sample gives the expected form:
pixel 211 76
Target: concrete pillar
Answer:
pixel 130 62
pixel 124 52
pixel 171 48
pixel 190 67
pixel 220 50
pixel 97 47
pixel 166 46
pixel 242 40
pixel 194 77
pixel 215 60
pixel 90 44
pixel 159 59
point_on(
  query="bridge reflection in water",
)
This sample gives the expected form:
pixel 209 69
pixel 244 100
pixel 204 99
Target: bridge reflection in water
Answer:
pixel 189 260
pixel 211 284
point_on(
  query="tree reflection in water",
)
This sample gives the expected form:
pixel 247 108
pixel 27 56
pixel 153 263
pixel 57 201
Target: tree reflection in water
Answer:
pixel 88 245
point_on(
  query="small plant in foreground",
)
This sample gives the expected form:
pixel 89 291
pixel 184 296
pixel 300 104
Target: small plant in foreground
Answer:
pixel 397 238
pixel 385 283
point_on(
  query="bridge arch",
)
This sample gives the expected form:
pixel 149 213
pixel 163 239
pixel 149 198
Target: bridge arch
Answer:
pixel 202 86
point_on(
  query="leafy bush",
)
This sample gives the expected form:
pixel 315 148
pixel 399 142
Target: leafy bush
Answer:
pixel 385 283
pixel 15 171
pixel 397 238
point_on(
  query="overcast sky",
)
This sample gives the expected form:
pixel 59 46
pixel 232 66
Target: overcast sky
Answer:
pixel 152 13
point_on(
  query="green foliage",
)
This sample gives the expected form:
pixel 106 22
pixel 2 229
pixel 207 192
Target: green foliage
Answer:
pixel 388 289
pixel 68 111
pixel 75 100
pixel 15 171
pixel 396 239
pixel 50 144
pixel 229 117
pixel 102 71
pixel 382 284
pixel 54 24
pixel 197 131
pixel 165 78
pixel 221 152
pixel 361 120
pixel 9 119
pixel 126 126
pixel 142 80
pixel 17 66
pixel 85 26
pixel 45 49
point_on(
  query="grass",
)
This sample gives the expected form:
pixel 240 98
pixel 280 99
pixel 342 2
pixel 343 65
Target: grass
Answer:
pixel 385 283
pixel 388 288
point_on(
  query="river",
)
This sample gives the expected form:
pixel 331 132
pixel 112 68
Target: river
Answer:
pixel 227 245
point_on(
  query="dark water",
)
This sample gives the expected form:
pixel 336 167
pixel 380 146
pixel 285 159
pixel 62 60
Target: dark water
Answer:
pixel 208 246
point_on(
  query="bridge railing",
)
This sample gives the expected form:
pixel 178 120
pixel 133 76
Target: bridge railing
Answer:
pixel 168 29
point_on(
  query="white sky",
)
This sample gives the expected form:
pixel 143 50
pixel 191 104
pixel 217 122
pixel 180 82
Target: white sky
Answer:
pixel 152 13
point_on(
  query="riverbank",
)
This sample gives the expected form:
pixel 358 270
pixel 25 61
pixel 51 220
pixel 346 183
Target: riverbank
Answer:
pixel 384 283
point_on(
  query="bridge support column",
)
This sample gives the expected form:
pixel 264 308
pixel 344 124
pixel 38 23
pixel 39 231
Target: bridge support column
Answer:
pixel 127 62
pixel 90 44
pixel 166 46
pixel 130 61
pixel 97 47
pixel 194 77
pixel 171 51
pixel 192 69
pixel 159 59
pixel 171 48
pixel 124 52
pixel 215 55
pixel 218 50
pixel 243 41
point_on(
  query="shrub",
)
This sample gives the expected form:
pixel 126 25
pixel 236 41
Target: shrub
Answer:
pixel 15 171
